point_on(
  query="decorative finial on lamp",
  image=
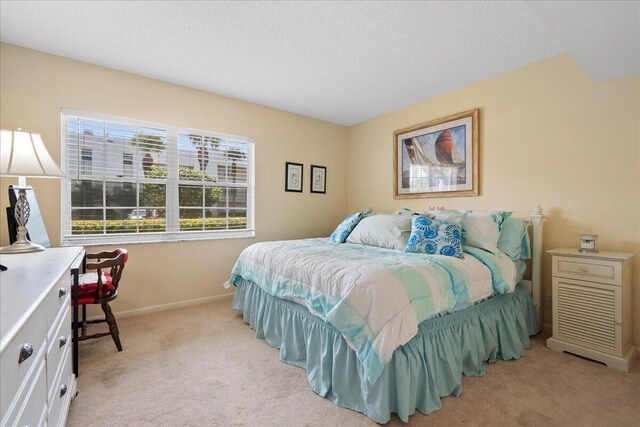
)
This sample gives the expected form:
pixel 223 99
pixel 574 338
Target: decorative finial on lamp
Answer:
pixel 23 154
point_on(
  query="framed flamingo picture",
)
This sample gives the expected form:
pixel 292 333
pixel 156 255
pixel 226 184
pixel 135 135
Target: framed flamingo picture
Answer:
pixel 438 158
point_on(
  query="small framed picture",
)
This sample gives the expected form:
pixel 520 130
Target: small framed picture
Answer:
pixel 318 179
pixel 588 243
pixel 293 177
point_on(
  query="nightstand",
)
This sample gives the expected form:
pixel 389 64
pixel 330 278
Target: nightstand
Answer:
pixel 592 306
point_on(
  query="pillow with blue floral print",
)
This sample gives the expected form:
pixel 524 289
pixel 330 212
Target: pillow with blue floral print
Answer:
pixel 435 237
pixel 347 225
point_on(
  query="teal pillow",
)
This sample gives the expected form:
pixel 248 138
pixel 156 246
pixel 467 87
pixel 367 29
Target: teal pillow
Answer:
pixel 435 237
pixel 514 239
pixel 347 225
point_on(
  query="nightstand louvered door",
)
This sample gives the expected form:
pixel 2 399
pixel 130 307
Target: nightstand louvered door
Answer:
pixel 588 314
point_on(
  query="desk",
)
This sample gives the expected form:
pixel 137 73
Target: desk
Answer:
pixel 75 274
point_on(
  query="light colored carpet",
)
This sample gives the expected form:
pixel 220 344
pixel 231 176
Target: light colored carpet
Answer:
pixel 202 365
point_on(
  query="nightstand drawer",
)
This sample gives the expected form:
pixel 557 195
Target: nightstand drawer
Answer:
pixel 593 270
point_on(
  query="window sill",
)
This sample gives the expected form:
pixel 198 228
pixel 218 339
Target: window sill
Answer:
pixel 185 236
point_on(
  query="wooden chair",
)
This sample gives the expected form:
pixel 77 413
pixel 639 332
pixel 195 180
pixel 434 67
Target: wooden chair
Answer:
pixel 101 287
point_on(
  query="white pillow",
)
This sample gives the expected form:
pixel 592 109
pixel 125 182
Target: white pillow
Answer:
pixel 446 216
pixel 384 231
pixel 481 229
pixel 403 211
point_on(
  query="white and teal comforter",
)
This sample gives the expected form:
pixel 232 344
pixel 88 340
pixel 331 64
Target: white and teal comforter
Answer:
pixel 375 297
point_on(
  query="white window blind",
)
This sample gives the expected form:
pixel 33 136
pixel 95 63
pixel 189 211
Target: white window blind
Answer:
pixel 133 181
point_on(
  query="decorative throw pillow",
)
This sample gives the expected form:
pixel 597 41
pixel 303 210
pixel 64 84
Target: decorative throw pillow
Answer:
pixel 347 225
pixel 435 237
pixel 514 239
pixel 481 229
pixel 384 231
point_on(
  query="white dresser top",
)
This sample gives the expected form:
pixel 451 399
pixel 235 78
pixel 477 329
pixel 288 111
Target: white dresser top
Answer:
pixel 29 278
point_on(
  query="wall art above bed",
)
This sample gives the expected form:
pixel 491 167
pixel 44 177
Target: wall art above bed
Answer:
pixel 438 158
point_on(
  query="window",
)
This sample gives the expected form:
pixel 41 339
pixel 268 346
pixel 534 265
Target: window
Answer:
pixel 132 181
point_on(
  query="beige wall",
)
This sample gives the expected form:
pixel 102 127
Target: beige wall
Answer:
pixel 548 136
pixel 35 86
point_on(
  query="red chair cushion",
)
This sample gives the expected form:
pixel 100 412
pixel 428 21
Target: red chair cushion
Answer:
pixel 88 287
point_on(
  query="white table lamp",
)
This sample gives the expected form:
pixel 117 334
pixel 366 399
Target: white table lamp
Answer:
pixel 23 154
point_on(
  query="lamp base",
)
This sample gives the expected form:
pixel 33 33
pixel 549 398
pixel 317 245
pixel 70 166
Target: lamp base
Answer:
pixel 22 245
pixel 21 248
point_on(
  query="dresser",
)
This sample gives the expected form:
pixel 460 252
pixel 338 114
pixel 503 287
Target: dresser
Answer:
pixel 592 306
pixel 35 322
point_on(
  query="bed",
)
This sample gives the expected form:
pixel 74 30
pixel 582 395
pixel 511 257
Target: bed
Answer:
pixel 383 331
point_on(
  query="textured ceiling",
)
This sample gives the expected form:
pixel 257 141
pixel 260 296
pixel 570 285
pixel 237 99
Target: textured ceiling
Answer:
pixel 603 36
pixel 344 62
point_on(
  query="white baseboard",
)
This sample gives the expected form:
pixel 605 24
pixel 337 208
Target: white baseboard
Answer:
pixel 163 307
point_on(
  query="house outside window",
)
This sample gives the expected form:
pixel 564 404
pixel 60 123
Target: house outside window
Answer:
pixel 127 164
pixel 86 161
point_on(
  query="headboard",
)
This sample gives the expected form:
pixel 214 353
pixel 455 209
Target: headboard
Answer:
pixel 534 286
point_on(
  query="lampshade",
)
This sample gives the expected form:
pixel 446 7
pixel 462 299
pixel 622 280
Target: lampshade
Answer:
pixel 24 154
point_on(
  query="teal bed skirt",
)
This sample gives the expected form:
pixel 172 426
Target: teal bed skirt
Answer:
pixel 430 366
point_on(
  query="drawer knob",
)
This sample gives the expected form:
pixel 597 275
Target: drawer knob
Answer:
pixel 62 292
pixel 63 390
pixel 618 322
pixel 25 352
pixel 63 340
pixel 584 269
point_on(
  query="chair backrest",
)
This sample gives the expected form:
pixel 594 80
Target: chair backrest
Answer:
pixel 115 260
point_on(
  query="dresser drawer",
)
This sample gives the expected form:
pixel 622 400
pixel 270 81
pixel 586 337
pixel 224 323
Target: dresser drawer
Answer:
pixel 58 344
pixel 32 407
pixel 57 298
pixel 12 371
pixel 64 386
pixel 593 270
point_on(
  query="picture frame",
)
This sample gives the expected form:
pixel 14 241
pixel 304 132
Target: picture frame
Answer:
pixel 588 243
pixel 293 178
pixel 438 158
pixel 318 179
